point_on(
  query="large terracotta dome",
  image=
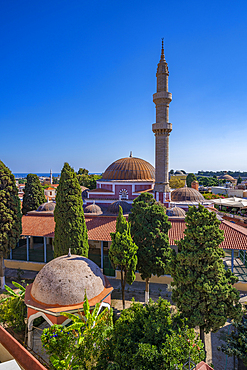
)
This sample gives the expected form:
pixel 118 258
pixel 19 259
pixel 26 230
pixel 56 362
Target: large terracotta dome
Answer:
pixel 129 168
pixel 186 194
pixel 64 280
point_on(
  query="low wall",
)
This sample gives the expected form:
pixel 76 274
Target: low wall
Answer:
pixel 167 279
pixel 164 279
pixel 24 265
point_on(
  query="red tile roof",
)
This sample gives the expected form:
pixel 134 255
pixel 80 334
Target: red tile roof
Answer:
pixel 100 227
pixel 203 366
pixel 100 190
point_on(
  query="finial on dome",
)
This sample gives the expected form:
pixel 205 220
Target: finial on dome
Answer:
pixel 120 198
pixel 94 202
pixel 130 153
pixel 69 254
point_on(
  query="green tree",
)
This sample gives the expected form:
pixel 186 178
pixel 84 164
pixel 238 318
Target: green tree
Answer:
pixel 176 182
pixel 13 310
pixel 150 337
pixel 203 289
pixel 80 344
pixel 10 216
pixel 70 229
pixel 149 229
pixel 123 252
pixel 190 178
pixel 239 180
pixel 33 194
pixel 236 342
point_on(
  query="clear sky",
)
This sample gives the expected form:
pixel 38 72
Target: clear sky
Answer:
pixel 77 78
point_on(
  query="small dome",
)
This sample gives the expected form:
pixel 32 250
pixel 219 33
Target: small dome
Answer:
pixel 129 168
pixel 49 206
pixel 175 212
pixel 93 209
pixel 114 207
pixel 186 194
pixel 178 172
pixel 64 280
pixel 226 177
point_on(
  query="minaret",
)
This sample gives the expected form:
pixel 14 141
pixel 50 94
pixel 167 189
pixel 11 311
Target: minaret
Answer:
pixel 162 129
pixel 50 176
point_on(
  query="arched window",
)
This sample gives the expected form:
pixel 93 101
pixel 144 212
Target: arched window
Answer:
pixel 123 194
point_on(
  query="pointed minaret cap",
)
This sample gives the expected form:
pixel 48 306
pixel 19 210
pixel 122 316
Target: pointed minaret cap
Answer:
pixel 130 153
pixel 162 57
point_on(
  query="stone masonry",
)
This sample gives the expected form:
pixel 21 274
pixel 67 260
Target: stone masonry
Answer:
pixel 162 129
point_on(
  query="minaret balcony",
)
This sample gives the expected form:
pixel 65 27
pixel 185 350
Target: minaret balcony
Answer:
pixel 162 97
pixel 162 127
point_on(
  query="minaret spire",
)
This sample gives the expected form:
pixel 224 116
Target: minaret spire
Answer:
pixel 162 57
pixel 162 129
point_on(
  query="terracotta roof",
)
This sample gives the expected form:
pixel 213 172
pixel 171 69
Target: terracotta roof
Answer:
pixel 100 227
pixel 38 225
pixel 203 366
pixel 99 190
pixel 49 188
pixel 145 191
pixel 19 353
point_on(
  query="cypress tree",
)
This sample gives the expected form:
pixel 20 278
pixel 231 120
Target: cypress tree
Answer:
pixel 123 252
pixel 149 229
pixel 70 229
pixel 10 215
pixel 33 194
pixel 203 289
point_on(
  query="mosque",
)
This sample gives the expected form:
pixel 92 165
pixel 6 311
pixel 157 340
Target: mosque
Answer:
pixel 126 178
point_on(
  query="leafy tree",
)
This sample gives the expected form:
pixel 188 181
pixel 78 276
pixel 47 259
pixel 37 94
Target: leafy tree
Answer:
pixel 33 194
pixel 82 171
pixel 89 181
pixel 80 344
pixel 239 180
pixel 55 180
pixel 236 341
pixel 149 229
pixel 149 338
pixel 172 172
pixel 176 182
pixel 123 252
pixel 10 216
pixel 12 308
pixel 190 178
pixel 70 229
pixel 203 289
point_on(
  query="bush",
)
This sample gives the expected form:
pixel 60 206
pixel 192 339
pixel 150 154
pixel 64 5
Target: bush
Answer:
pixel 150 337
pixel 13 310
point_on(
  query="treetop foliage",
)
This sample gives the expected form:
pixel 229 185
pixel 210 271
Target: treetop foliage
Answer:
pixel 70 229
pixel 190 178
pixel 203 288
pixel 87 180
pixel 149 338
pixel 10 211
pixel 33 194
pixel 149 229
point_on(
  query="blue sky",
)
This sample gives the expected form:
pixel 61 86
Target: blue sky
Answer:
pixel 77 79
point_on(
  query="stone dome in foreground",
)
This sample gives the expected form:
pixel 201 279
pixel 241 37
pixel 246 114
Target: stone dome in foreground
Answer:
pixel 114 207
pixel 186 194
pixel 63 281
pixel 93 209
pixel 175 212
pixel 49 206
pixel 129 168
